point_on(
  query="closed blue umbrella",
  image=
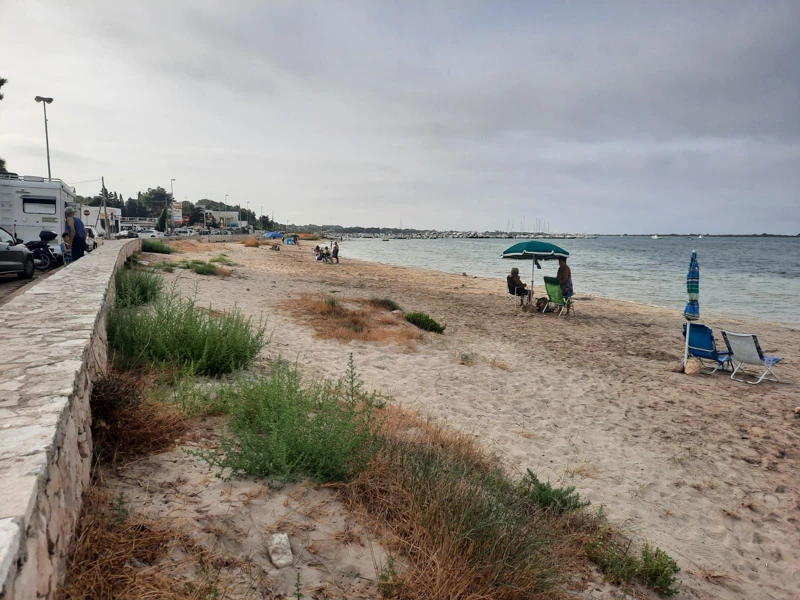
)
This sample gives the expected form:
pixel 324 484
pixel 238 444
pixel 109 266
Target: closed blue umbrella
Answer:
pixel 535 250
pixel 692 310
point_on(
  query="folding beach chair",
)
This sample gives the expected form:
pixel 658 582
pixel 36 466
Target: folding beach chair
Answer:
pixel 554 297
pixel 511 292
pixel 745 349
pixel 703 346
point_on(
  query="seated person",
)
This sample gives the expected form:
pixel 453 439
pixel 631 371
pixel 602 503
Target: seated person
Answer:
pixel 564 277
pixel 326 254
pixel 517 287
pixel 317 253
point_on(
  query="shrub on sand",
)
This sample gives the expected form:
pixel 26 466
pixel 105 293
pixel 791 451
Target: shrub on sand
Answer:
pixel 424 321
pixel 136 286
pixel 624 562
pixel 175 331
pixel 156 246
pixel 284 430
pixel 250 242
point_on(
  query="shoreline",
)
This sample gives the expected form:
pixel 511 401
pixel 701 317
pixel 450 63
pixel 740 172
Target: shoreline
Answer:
pixel 702 466
pixel 792 326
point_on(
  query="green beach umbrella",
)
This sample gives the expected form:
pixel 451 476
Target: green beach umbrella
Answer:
pixel 535 250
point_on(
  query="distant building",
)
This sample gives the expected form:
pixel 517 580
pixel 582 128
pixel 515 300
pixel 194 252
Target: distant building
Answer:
pixel 223 218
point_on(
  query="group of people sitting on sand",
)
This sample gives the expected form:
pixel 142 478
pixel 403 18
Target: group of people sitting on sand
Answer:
pixel 519 288
pixel 326 255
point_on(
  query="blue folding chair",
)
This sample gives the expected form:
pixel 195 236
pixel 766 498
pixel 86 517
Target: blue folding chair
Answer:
pixel 703 346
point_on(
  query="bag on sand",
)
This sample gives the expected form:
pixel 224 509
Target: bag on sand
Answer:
pixel 541 303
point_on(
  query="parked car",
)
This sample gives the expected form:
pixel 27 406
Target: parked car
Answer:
pixel 14 256
pixel 91 239
pixel 150 233
pixel 204 232
pixel 180 232
pixel 127 235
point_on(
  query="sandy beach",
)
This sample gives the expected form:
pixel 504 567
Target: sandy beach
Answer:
pixel 702 466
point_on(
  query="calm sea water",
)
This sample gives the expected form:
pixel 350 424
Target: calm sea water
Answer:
pixel 749 277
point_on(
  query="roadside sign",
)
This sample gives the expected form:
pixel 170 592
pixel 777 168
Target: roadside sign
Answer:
pixel 86 213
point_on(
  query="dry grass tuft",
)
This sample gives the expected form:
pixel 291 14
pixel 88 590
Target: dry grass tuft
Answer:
pixel 117 556
pixel 457 522
pixel 332 318
pixel 252 242
pixel 499 364
pixel 126 424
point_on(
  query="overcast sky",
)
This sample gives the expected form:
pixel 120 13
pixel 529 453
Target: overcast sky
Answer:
pixel 603 117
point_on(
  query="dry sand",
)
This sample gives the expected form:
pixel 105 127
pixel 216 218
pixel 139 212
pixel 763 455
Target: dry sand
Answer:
pixel 702 466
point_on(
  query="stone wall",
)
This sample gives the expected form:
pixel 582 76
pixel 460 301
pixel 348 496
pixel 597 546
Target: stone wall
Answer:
pixel 53 346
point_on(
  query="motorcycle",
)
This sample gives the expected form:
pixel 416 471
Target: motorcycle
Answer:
pixel 43 255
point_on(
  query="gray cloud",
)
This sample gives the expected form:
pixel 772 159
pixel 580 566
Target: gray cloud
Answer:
pixel 599 117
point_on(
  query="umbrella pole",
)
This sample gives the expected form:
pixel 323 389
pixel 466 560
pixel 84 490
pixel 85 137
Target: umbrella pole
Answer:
pixel 533 272
pixel 686 349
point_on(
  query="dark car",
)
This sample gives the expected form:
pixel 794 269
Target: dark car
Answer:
pixel 14 256
pixel 127 235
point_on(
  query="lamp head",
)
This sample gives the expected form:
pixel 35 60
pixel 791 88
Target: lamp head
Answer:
pixel 43 99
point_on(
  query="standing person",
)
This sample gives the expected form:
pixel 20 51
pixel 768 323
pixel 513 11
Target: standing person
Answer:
pixel 74 234
pixel 564 276
pixel 336 251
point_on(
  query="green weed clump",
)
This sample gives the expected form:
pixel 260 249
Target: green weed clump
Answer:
pixel 284 430
pixel 619 560
pixel 135 287
pixel 221 259
pixel 424 321
pixel 385 303
pixel 556 499
pixel 156 246
pixel 175 331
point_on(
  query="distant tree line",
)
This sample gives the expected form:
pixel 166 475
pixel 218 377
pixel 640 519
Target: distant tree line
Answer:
pixel 153 204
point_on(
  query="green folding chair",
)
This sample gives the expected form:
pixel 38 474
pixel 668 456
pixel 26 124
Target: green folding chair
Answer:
pixel 555 298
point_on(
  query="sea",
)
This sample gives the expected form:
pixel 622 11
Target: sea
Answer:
pixel 754 277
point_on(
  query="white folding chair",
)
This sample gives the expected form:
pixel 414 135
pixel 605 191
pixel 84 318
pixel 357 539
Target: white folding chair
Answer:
pixel 745 349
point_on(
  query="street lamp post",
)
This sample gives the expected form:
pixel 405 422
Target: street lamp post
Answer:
pixel 171 212
pixel 45 102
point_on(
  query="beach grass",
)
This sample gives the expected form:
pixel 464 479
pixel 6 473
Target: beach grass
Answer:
pixel 157 246
pixel 173 330
pixel 455 518
pixel 221 259
pixel 135 287
pixel 425 321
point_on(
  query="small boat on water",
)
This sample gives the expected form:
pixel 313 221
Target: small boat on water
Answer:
pixel 655 237
pixel 700 237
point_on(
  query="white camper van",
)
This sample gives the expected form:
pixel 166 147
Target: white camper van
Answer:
pixel 30 204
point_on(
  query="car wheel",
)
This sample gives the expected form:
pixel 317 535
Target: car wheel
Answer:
pixel 28 269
